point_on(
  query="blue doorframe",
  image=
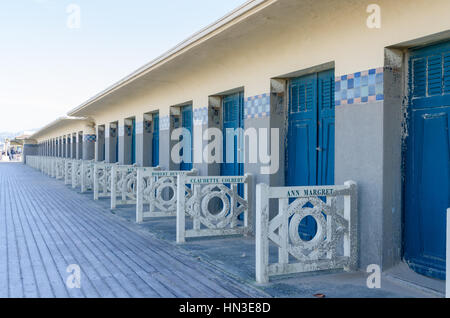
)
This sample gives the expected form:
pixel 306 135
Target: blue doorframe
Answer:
pixel 155 141
pixel 115 134
pixel 427 160
pixel 186 122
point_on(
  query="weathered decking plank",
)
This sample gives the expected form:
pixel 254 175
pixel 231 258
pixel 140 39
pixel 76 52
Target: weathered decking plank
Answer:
pixel 46 226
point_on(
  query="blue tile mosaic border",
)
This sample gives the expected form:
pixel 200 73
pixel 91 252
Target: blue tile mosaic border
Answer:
pixel 357 88
pixel 257 106
pixel 201 116
pixel 360 87
pixel 89 138
pixel 164 123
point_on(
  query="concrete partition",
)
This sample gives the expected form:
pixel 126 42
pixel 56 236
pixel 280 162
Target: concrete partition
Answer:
pixel 76 173
pixel 334 227
pixel 158 191
pixel 124 185
pixel 87 175
pixel 197 195
pixel 68 171
pixel 102 180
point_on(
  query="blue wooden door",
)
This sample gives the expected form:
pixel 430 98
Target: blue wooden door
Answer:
pixel 155 141
pixel 310 138
pixel 233 118
pixel 326 128
pixel 301 169
pixel 115 134
pixel 133 141
pixel 103 150
pixel 186 122
pixel 117 148
pixel 427 160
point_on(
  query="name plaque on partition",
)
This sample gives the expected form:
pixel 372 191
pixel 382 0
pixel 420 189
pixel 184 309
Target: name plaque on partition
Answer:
pixel 310 192
pixel 218 180
pixel 168 173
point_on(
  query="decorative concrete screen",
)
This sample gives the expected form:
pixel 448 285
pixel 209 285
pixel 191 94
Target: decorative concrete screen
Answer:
pixel 87 175
pixel 76 173
pixel 53 167
pixel 335 243
pixel 157 190
pixel 68 172
pixel 123 185
pixel 44 164
pixel 102 180
pixel 219 193
pixel 34 162
pixel 37 162
pixel 59 168
pixel 47 165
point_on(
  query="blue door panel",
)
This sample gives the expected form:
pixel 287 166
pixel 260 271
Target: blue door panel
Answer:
pixel 233 118
pixel 186 122
pixel 310 140
pixel 302 132
pixel 155 141
pixel 117 147
pixel 428 191
pixel 427 170
pixel 326 128
pixel 303 172
pixel 133 142
pixel 326 153
pixel 310 144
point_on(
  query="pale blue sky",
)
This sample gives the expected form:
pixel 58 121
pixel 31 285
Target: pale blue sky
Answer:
pixel 47 68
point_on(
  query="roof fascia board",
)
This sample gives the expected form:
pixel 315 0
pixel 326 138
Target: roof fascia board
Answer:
pixel 195 39
pixel 54 123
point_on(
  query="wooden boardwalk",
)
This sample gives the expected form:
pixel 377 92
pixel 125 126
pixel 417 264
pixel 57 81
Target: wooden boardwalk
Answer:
pixel 45 227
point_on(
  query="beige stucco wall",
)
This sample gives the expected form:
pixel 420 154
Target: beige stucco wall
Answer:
pixel 288 36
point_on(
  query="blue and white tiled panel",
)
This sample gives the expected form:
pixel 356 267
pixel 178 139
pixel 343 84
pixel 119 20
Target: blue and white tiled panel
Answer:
pixel 360 87
pixel 164 123
pixel 89 138
pixel 257 106
pixel 201 116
